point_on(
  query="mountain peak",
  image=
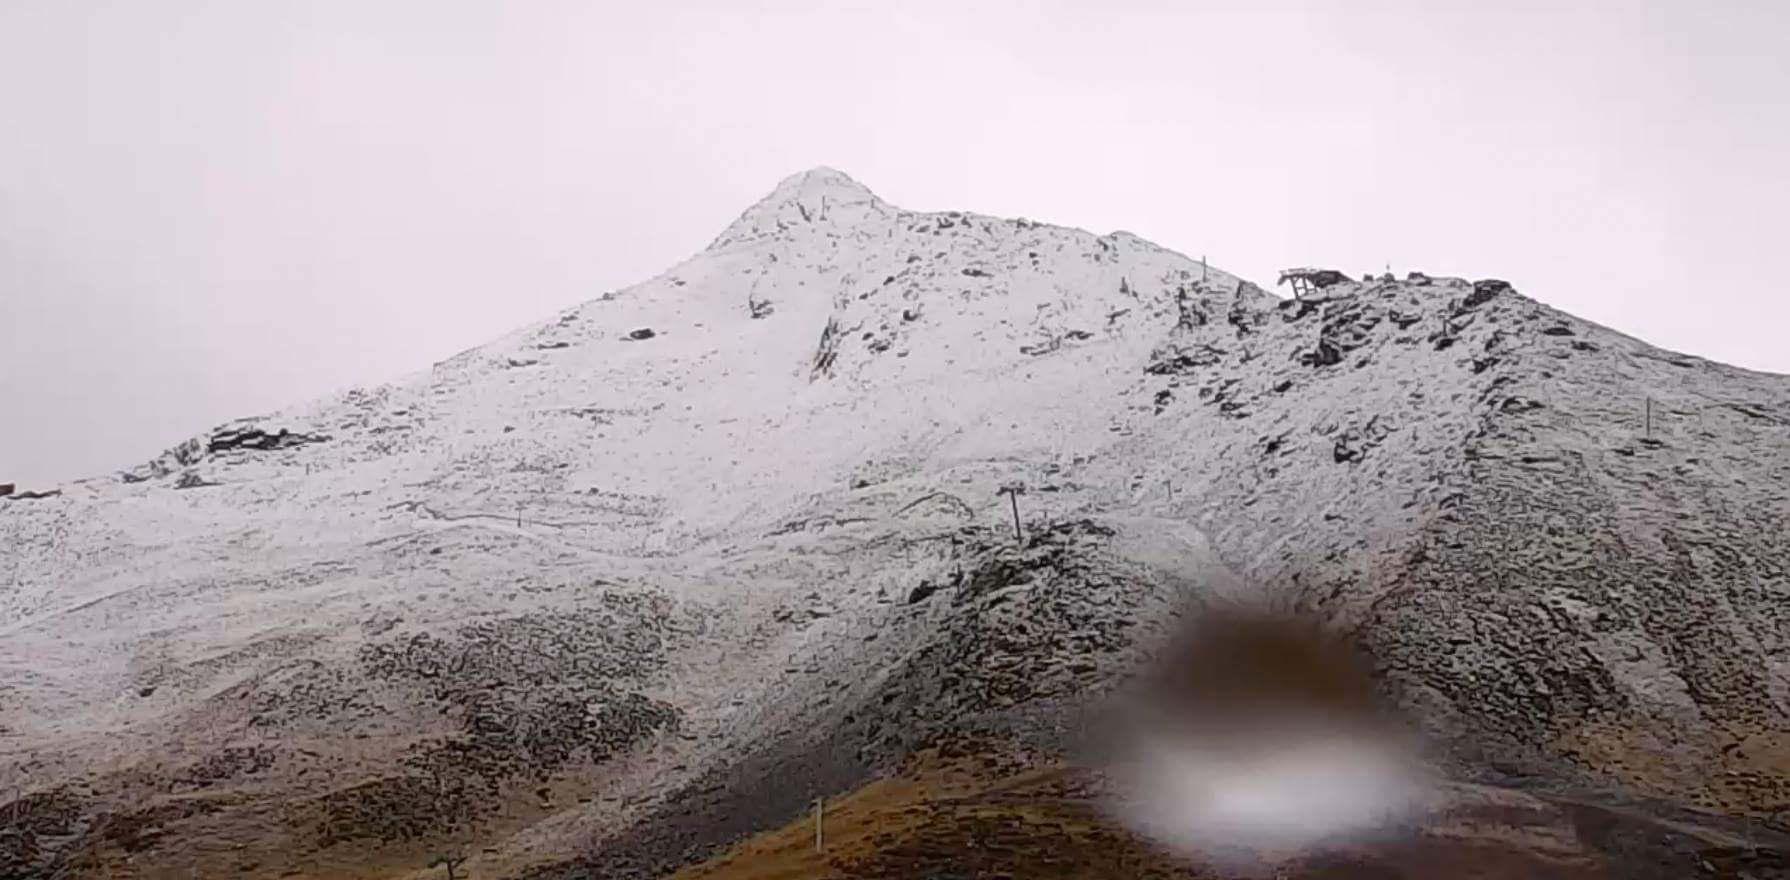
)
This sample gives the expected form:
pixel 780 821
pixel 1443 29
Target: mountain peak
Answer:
pixel 818 195
pixel 821 178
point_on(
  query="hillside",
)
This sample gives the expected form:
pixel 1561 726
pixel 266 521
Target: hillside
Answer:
pixel 625 586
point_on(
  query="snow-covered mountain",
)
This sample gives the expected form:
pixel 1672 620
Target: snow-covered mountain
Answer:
pixel 656 572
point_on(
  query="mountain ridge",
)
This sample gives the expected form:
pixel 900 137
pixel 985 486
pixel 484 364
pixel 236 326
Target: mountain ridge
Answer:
pixel 622 554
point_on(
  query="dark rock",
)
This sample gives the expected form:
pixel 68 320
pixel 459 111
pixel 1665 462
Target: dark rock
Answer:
pixel 255 438
pixel 826 352
pixel 1242 317
pixel 1560 330
pixel 1417 278
pixel 1354 444
pixel 7 489
pixel 642 333
pixel 1225 396
pixel 1282 386
pixel 1299 308
pixel 1483 291
pixel 921 592
pixel 1327 354
pixel 146 691
pixel 1190 314
pixel 1163 398
pixel 1177 361
pixel 190 480
pixel 975 273
pixel 32 496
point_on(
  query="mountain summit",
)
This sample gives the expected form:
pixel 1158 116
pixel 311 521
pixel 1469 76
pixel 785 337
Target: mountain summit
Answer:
pixel 875 505
pixel 818 195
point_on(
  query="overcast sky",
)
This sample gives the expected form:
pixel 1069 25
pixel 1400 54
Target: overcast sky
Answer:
pixel 211 210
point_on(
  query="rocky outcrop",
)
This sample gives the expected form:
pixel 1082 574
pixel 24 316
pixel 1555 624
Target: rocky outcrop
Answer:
pixel 32 495
pixel 258 439
pixel 190 480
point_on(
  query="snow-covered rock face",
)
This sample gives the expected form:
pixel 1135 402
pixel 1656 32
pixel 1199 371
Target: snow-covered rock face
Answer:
pixel 744 521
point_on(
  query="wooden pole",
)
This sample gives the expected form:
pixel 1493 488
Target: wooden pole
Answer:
pixel 1012 493
pixel 820 812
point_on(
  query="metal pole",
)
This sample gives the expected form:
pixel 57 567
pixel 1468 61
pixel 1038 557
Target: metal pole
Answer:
pixel 1014 497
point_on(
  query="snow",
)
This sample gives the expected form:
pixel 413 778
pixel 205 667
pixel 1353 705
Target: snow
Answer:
pixel 828 363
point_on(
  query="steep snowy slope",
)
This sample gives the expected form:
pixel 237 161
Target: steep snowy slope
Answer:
pixel 655 573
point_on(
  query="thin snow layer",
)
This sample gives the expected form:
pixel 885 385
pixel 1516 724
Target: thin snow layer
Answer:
pixel 778 470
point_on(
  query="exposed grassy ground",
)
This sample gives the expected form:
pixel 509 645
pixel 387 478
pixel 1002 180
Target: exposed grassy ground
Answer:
pixel 983 812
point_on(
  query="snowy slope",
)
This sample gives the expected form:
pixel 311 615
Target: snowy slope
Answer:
pixel 741 524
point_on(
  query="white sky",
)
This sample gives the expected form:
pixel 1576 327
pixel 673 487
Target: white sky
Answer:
pixel 211 210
